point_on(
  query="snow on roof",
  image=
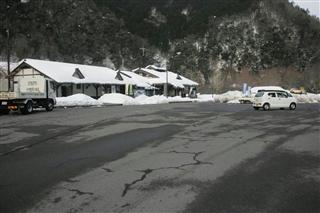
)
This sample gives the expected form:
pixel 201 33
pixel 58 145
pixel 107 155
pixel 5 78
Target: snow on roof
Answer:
pixel 154 67
pixel 136 79
pixel 256 89
pixel 161 77
pixel 173 75
pixel 64 72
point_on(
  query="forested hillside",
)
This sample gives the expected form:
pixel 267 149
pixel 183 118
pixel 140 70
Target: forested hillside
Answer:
pixel 219 43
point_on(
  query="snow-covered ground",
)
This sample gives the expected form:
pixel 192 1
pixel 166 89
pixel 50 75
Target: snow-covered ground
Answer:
pixel 116 98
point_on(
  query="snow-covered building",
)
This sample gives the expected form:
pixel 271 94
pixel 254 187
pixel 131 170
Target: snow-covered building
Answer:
pixel 71 79
pixel 141 83
pixel 158 77
pixel 94 81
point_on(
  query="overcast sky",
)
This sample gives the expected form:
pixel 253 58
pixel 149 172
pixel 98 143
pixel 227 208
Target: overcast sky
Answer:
pixel 312 5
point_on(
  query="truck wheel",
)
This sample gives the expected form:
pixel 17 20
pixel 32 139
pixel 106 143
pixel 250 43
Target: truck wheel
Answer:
pixel 49 106
pixel 28 108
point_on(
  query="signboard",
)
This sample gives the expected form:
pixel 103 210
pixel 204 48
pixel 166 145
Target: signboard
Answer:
pixel 32 84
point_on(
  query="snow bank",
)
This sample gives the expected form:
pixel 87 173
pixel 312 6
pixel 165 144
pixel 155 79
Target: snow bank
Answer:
pixel 156 99
pixel 205 98
pixel 228 97
pixel 116 98
pixel 307 98
pixel 76 100
pixel 160 99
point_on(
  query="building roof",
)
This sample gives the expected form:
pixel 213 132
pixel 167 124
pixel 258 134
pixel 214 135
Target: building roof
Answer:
pixel 86 74
pixel 136 79
pixel 73 73
pixel 158 76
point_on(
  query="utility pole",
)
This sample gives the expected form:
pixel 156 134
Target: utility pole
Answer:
pixel 8 45
pixel 8 11
pixel 143 49
pixel 167 83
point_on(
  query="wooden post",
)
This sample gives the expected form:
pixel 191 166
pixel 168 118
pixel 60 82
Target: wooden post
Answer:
pixel 57 89
pixel 96 86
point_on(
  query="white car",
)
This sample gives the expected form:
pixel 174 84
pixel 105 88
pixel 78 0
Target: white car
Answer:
pixel 276 99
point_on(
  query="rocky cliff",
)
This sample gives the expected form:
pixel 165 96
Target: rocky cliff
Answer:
pixel 219 43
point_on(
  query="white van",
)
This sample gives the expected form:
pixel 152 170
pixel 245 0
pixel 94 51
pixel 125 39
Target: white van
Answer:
pixel 276 99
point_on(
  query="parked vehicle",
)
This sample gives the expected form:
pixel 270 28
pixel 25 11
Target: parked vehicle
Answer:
pixel 301 90
pixel 30 91
pixel 249 98
pixel 276 99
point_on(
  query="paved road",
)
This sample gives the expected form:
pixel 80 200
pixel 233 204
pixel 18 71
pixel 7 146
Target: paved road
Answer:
pixel 161 158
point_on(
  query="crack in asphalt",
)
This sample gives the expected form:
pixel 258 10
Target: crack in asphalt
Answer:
pixel 107 170
pixel 146 172
pixel 127 186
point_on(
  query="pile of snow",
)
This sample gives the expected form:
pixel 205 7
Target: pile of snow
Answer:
pixel 156 99
pixel 307 98
pixel 116 98
pixel 180 99
pixel 77 100
pixel 205 98
pixel 160 99
pixel 228 97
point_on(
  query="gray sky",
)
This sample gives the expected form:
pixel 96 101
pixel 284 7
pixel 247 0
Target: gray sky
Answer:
pixel 312 5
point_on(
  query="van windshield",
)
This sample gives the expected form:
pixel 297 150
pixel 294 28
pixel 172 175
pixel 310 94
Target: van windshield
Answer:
pixel 259 94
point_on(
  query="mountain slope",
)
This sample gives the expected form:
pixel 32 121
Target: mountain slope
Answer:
pixel 219 43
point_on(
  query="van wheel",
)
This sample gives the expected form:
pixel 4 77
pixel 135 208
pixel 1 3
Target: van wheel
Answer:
pixel 266 106
pixel 28 108
pixel 49 106
pixel 292 106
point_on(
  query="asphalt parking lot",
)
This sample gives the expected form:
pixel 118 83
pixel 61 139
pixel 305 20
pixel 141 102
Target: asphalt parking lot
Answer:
pixel 191 157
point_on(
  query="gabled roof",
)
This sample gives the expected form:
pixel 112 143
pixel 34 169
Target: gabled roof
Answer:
pixel 136 79
pixel 64 72
pixel 78 74
pixel 161 77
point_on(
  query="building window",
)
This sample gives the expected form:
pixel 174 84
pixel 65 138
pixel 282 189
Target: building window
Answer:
pixel 78 86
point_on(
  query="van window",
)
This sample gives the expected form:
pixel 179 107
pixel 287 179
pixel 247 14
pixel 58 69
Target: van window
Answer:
pixel 259 94
pixel 282 95
pixel 272 94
